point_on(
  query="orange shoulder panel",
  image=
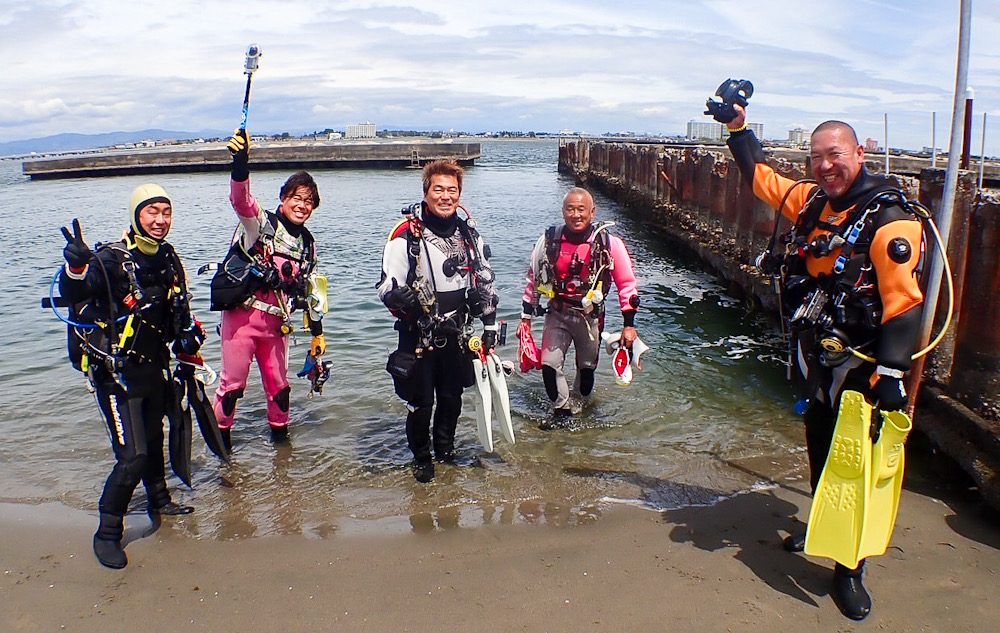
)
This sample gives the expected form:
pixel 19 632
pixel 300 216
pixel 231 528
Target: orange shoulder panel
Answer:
pixel 898 285
pixel 771 187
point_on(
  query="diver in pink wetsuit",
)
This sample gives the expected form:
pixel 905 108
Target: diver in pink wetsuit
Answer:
pixel 574 264
pixel 269 272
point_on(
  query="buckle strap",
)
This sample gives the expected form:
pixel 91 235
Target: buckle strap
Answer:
pixel 256 304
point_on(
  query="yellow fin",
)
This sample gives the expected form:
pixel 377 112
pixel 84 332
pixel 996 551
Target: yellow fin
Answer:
pixel 837 517
pixel 886 483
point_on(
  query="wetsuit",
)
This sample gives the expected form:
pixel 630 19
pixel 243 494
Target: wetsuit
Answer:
pixel 433 360
pixel 133 396
pixel 572 264
pixel 848 277
pixel 881 302
pixel 259 327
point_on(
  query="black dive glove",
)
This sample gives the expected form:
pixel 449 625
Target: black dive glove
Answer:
pixel 401 298
pixel 489 341
pixel 189 341
pixel 239 147
pixel 76 252
pixel 890 394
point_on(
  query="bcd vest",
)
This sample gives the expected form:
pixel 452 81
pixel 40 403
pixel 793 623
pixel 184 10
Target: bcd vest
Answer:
pixel 242 274
pixel 148 307
pixel 583 274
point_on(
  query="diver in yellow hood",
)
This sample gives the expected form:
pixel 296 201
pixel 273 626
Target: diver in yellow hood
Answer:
pixel 134 293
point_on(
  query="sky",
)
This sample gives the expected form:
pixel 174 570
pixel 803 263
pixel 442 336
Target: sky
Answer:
pixel 594 66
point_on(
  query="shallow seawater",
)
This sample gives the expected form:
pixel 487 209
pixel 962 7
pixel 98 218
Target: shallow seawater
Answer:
pixel 710 402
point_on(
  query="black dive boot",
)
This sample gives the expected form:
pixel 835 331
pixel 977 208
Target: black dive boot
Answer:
pixel 158 501
pixel 108 541
pixel 227 439
pixel 849 594
pixel 445 455
pixel 423 470
pixel 171 509
pixel 279 434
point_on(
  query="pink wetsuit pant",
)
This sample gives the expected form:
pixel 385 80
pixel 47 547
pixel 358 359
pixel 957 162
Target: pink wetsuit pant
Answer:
pixel 249 334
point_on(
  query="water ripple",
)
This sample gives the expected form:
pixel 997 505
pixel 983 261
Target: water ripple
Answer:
pixel 711 387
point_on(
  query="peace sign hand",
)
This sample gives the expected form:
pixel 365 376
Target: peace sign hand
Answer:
pixel 76 253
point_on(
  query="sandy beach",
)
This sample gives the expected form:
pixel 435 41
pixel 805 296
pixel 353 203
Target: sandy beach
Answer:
pixel 717 568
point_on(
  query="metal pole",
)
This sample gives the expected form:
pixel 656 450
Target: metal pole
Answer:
pixel 933 140
pixel 970 95
pixel 886 119
pixel 249 66
pixel 982 157
pixel 950 180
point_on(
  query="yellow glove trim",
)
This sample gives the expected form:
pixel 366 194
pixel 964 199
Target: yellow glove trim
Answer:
pixel 319 345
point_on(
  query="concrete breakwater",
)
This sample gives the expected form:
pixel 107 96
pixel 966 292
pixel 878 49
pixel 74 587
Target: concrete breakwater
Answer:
pixel 694 196
pixel 276 155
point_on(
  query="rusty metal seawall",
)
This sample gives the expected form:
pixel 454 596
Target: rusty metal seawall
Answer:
pixel 694 196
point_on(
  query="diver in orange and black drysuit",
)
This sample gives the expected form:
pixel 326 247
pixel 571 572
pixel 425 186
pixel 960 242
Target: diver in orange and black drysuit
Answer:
pixel 849 276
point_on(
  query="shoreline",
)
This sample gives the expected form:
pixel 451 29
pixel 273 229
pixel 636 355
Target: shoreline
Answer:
pixel 713 567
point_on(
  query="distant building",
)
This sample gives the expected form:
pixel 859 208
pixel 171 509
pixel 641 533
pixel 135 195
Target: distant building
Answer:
pixel 333 136
pixel 715 131
pixel 361 130
pixel 705 131
pixel 871 145
pixel 799 136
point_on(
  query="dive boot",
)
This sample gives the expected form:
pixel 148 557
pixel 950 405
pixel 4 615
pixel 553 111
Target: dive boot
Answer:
pixel 423 471
pixel 172 509
pixel 108 541
pixel 849 593
pixel 227 439
pixel 279 434
pixel 159 501
pixel 110 553
pixel 446 456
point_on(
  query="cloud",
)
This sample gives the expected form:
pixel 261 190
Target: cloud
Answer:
pixel 581 64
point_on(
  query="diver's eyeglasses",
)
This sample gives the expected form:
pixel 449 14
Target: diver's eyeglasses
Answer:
pixel 308 202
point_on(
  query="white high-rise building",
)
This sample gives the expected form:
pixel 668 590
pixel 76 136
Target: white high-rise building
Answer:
pixel 715 131
pixel 704 130
pixel 361 130
pixel 799 136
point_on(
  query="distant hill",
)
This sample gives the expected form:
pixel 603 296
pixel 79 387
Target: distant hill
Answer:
pixel 73 142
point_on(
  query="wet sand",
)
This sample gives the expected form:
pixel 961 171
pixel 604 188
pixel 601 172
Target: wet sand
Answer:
pixel 718 568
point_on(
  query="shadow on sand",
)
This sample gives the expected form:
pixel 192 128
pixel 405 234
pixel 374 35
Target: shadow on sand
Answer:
pixel 752 524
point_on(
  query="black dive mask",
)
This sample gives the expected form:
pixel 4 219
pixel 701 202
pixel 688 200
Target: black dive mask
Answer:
pixel 732 92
